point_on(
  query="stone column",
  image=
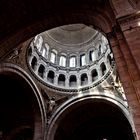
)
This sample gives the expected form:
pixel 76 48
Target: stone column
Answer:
pixel 57 59
pixel 78 61
pixel 129 74
pixel 45 74
pixel 30 59
pixel 87 58
pixel 99 71
pixel 89 77
pixel 78 80
pixel 36 67
pixel 67 81
pixel 56 79
pixel 107 63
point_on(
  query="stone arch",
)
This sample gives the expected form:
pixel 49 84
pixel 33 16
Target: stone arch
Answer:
pixel 84 79
pixel 101 18
pixel 74 108
pixel 34 63
pixel 73 81
pixel 50 76
pixel 61 80
pixel 41 71
pixel 94 75
pixel 103 68
pixel 24 110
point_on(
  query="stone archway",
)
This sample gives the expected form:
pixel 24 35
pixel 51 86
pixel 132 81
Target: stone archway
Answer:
pixel 91 117
pixel 93 13
pixel 21 106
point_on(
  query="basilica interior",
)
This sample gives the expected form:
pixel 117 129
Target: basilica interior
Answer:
pixel 70 70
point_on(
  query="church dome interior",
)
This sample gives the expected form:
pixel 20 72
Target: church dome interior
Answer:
pixel 70 70
pixel 77 60
pixel 70 57
pixel 73 64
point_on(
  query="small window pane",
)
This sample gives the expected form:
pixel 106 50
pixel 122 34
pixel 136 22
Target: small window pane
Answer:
pixel 92 55
pixel 52 59
pixel 62 61
pixel 83 60
pixel 72 62
pixel 43 52
pixel 38 42
pixel 47 49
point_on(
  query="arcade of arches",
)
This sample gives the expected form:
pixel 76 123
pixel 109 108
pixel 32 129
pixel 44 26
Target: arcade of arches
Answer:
pixel 70 70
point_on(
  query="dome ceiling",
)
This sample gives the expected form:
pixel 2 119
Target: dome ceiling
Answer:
pixel 71 57
pixel 70 38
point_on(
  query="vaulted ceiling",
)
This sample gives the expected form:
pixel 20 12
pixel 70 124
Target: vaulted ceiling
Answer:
pixel 21 20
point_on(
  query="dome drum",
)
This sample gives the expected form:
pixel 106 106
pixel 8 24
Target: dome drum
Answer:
pixel 70 67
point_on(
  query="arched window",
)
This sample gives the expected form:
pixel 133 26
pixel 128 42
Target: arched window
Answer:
pixel 34 63
pixel 94 75
pixel 92 55
pixel 38 42
pixel 72 81
pixel 53 57
pixel 83 60
pixel 104 40
pixel 103 68
pixel 104 48
pixel 47 49
pixel 61 80
pixel 41 71
pixel 84 79
pixel 72 61
pixel 50 76
pixel 43 52
pixel 62 61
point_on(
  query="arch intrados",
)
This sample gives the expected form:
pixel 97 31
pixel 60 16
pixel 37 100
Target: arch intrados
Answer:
pixel 96 19
pixel 68 106
pixel 18 74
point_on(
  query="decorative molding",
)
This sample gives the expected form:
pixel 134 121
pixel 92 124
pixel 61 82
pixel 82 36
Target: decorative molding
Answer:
pixel 52 102
pixel 129 22
pixel 73 90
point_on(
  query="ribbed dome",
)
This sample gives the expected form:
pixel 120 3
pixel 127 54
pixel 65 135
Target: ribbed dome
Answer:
pixel 72 34
pixel 70 38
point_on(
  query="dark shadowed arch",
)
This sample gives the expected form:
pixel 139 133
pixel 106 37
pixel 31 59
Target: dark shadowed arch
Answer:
pixel 21 106
pixel 45 15
pixel 89 117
